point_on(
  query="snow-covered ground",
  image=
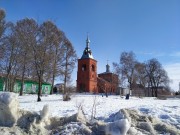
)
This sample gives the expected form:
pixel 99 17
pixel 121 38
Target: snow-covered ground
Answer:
pixel 166 110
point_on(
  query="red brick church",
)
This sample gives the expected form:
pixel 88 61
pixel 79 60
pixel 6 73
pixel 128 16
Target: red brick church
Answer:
pixel 87 78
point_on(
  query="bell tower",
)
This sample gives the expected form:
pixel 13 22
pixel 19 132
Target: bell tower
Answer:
pixel 87 71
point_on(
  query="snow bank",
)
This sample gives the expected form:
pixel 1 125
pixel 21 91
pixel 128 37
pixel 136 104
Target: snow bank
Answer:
pixel 118 123
pixel 15 120
pixel 144 124
pixel 12 131
pixel 105 106
pixel 75 128
pixel 45 113
pixel 9 109
pixel 122 122
pixel 119 127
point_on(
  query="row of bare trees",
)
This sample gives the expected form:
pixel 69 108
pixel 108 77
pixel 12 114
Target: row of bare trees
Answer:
pixel 41 52
pixel 149 74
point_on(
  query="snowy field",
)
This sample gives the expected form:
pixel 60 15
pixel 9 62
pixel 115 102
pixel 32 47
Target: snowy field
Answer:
pixel 166 110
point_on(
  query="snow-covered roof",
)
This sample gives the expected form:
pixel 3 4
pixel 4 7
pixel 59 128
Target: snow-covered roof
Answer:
pixel 87 54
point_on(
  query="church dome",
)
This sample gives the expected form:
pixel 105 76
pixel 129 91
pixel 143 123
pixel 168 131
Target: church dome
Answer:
pixel 87 51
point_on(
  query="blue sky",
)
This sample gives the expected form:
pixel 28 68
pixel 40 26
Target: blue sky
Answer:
pixel 149 28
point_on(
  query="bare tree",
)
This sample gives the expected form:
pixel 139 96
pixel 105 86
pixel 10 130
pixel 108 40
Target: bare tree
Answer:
pixel 41 54
pixel 140 74
pixel 157 75
pixel 2 31
pixel 68 63
pixel 57 39
pixel 141 77
pixel 2 23
pixel 9 62
pixel 126 67
pixel 25 31
pixel 50 50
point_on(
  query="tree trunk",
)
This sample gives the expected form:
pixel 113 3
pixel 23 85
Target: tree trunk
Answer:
pixel 156 95
pixel 11 84
pixel 65 80
pixel 152 92
pixel 54 68
pixel 52 85
pixel 22 78
pixel 22 86
pixel 66 74
pixel 6 83
pixel 22 81
pixel 148 91
pixel 39 89
pixel 7 78
pixel 130 87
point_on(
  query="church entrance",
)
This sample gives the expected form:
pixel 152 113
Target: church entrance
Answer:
pixel 82 87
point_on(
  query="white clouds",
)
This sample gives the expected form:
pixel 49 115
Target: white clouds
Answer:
pixel 175 54
pixel 161 54
pixel 173 71
pixel 154 54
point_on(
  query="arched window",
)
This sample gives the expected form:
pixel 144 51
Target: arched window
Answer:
pixel 93 68
pixel 84 67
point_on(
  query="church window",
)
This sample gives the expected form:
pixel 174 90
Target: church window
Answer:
pixel 93 68
pixel 83 67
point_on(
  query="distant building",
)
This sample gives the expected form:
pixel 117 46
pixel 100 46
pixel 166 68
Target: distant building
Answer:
pixel 111 81
pixel 123 91
pixel 58 88
pixel 87 78
pixel 162 91
pixel 140 91
pixel 30 86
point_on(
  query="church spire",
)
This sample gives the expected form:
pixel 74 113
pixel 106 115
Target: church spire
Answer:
pixel 107 67
pixel 87 51
pixel 87 41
